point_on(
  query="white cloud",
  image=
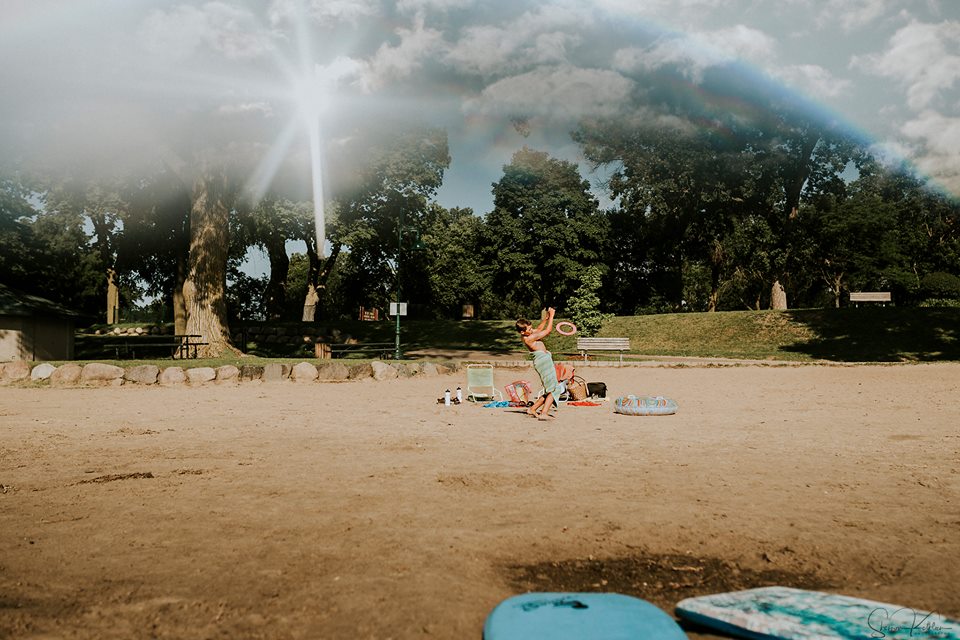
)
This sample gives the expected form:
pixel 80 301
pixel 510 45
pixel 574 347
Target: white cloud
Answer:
pixel 741 42
pixel 853 14
pixel 391 63
pixel 541 37
pixel 558 93
pixel 814 79
pixel 337 70
pixel 925 58
pixel 417 6
pixel 680 13
pixel 183 30
pixel 699 51
pixel 262 108
pixel 324 12
pixel 937 140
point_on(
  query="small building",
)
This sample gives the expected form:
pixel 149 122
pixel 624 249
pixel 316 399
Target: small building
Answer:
pixel 34 328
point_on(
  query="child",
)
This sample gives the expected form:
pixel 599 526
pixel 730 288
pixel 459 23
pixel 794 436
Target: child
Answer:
pixel 542 362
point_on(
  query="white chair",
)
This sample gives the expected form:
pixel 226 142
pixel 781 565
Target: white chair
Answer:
pixel 480 383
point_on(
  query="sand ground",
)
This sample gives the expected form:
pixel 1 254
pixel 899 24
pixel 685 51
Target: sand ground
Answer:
pixel 366 510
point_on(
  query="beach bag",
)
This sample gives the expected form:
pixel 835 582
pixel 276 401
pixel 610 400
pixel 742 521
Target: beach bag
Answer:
pixel 577 388
pixel 520 393
pixel 597 389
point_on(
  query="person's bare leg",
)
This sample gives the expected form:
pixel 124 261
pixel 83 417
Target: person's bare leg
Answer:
pixel 532 411
pixel 545 414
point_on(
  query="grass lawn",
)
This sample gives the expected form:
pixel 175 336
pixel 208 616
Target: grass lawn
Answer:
pixel 868 334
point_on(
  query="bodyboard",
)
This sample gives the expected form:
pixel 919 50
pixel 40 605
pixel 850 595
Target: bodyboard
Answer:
pixel 569 616
pixel 783 613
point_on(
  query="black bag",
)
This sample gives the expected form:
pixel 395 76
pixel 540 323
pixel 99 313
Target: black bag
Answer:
pixel 597 389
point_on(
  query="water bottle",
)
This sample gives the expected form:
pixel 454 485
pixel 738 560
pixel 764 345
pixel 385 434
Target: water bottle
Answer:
pixel 459 395
pixel 446 397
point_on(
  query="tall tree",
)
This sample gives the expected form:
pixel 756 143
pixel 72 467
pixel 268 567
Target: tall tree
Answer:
pixel 448 269
pixel 18 260
pixel 268 225
pixel 545 228
pixel 47 248
pixel 678 188
pixel 155 242
pixel 852 242
pixel 398 175
pixel 204 291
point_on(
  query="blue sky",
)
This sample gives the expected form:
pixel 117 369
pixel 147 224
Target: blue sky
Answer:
pixel 111 82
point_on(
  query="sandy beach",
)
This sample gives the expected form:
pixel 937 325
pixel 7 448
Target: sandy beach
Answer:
pixel 366 510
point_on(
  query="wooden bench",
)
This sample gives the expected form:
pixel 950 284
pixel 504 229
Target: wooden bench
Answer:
pixel 603 344
pixel 856 297
pixel 188 345
pixel 382 349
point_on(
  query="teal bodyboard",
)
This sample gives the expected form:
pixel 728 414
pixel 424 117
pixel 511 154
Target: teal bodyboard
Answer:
pixel 576 616
pixel 783 613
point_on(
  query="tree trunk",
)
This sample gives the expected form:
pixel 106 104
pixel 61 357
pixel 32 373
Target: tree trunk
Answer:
pixel 179 304
pixel 204 291
pixel 837 289
pixel 317 278
pixel 310 303
pixel 714 300
pixel 778 296
pixel 793 186
pixel 277 287
pixel 714 287
pixel 113 297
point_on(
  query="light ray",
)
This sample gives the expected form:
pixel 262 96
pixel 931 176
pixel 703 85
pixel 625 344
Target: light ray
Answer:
pixel 266 170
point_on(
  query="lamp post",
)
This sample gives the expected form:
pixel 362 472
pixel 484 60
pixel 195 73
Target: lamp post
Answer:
pixel 400 231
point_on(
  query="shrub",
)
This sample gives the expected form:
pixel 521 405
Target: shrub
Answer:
pixel 940 285
pixel 584 306
pixel 941 302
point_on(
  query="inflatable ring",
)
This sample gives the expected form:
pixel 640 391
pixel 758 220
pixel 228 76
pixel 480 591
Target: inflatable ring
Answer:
pixel 645 406
pixel 573 328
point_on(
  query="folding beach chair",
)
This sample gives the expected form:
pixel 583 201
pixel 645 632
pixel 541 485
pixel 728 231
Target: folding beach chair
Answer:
pixel 480 383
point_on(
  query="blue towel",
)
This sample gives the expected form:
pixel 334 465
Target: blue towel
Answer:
pixel 497 403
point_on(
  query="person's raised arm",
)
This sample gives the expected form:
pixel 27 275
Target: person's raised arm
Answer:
pixel 550 313
pixel 545 326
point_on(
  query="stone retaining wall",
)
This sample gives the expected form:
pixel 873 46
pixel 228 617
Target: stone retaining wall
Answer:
pixel 100 374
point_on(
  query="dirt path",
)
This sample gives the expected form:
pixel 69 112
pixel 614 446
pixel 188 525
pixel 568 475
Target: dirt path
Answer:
pixel 366 510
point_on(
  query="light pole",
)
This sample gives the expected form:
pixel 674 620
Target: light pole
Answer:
pixel 400 231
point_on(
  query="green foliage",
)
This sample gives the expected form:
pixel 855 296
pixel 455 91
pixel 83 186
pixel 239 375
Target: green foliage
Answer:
pixel 940 285
pixel 155 241
pixel 584 306
pixel 449 263
pixel 246 299
pixel 941 302
pixel 46 250
pixel 19 256
pixel 544 229
pixel 386 208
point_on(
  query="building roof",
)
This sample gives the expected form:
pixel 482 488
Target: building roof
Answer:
pixel 17 303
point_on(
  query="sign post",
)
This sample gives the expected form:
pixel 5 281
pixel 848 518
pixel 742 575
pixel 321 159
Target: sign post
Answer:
pixel 398 309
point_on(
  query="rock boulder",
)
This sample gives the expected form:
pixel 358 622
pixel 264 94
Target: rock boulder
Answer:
pixel 142 374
